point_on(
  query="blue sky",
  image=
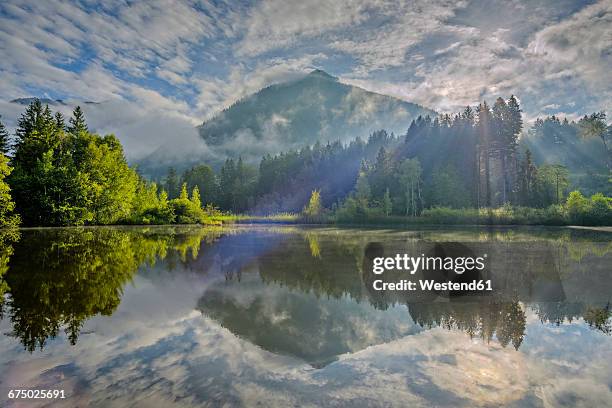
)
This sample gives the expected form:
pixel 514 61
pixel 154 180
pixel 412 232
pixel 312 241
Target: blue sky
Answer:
pixel 186 60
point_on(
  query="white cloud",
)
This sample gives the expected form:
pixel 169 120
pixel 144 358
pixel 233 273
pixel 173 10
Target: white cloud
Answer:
pixel 217 93
pixel 279 23
pixel 189 59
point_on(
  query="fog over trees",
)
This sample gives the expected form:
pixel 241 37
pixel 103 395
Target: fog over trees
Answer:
pixel 56 172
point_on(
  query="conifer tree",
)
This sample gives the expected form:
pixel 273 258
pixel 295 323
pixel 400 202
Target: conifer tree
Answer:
pixel 183 195
pixel 4 139
pixel 77 122
pixel 172 183
pixel 59 121
pixel 313 209
pixel 195 197
pixel 484 141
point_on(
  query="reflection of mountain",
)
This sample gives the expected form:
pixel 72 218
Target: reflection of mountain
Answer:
pixel 303 292
pixel 309 295
pixel 314 329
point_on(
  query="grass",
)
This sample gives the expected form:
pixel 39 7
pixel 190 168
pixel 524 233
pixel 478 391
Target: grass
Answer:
pixel 555 215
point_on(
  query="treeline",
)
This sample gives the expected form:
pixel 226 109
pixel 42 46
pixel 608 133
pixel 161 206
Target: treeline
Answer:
pixel 60 173
pixel 282 183
pixel 56 173
pixel 472 160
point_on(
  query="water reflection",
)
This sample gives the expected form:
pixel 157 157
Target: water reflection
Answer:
pixel 301 296
pixel 59 278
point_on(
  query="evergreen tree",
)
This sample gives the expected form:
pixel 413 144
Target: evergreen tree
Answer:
pixel 77 122
pixel 527 179
pixel 59 121
pixel 183 195
pixel 594 125
pixel 410 178
pixel 551 184
pixel 5 145
pixel 195 197
pixel 68 180
pixel 313 209
pixel 484 148
pixel 205 179
pixel 380 177
pixel 172 184
pixel 362 189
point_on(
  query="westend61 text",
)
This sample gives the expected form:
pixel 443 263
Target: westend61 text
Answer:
pixel 428 284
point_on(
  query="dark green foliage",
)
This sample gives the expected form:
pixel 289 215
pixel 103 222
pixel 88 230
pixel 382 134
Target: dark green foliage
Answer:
pixel 446 189
pixel 77 123
pixel 577 146
pixel 552 182
pixel 74 178
pixel 5 143
pixel 47 186
pixel 237 184
pixel 172 183
pixel 469 160
pixel 204 178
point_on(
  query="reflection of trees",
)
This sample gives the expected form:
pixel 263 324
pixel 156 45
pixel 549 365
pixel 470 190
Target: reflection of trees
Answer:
pixel 331 274
pixel 313 243
pixel 7 238
pixel 482 319
pixel 59 278
pixel 599 318
pixel 527 267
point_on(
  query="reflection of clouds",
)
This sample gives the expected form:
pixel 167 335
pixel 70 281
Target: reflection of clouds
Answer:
pixel 157 351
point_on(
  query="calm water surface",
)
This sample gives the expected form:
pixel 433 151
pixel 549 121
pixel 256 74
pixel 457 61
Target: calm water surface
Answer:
pixel 286 316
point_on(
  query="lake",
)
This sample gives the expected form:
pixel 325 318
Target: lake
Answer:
pixel 288 316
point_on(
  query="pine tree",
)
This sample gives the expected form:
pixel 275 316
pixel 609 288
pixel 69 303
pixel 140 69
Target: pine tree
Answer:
pixel 5 146
pixel 484 142
pixel 313 209
pixel 183 195
pixel 172 183
pixel 410 178
pixel 59 121
pixel 77 122
pixel 527 178
pixel 195 197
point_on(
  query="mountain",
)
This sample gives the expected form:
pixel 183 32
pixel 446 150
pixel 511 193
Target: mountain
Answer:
pixel 315 108
pixel 44 101
pixel 291 115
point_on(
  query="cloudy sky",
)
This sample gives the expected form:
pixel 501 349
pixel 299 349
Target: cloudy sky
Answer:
pixel 170 63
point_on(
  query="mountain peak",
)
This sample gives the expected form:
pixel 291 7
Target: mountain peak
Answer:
pixel 319 73
pixel 44 101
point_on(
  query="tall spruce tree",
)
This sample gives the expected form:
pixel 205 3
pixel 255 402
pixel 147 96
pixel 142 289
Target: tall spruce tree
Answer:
pixel 5 143
pixel 77 122
pixel 484 143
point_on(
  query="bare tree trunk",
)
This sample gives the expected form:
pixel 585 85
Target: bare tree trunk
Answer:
pixel 504 176
pixel 487 179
